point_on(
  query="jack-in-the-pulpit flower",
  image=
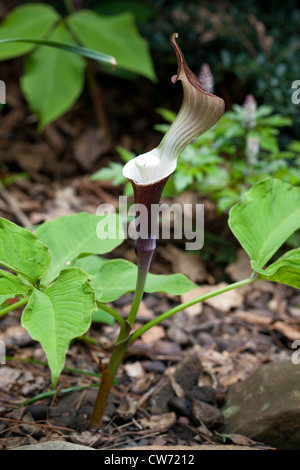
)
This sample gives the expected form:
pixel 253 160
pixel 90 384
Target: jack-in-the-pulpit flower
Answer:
pixel 148 173
pixel 199 111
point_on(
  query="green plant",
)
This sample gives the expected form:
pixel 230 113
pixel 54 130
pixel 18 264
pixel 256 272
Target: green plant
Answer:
pixel 62 280
pixel 53 78
pixel 64 283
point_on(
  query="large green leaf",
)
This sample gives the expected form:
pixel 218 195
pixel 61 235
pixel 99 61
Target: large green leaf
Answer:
pixel 265 218
pixel 11 286
pixel 285 270
pixel 115 35
pixel 118 277
pixel 90 264
pixel 26 21
pixel 21 252
pixel 53 78
pixel 70 236
pixel 59 314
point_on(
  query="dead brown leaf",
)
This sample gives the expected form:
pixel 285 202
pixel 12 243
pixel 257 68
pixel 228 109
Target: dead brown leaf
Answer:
pixel 240 269
pixel 241 366
pixel 159 422
pixel 228 368
pixel 253 318
pixel 241 440
pixel 11 378
pixel 127 408
pixel 184 262
pixel 196 309
pixel 143 383
pixel 33 157
pixel 290 332
pixel 134 369
pixel 224 302
pixel 89 146
pixel 153 335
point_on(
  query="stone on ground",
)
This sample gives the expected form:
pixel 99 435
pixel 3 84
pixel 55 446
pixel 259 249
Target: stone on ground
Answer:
pixel 266 406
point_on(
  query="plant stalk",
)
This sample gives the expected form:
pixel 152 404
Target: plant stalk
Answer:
pixel 97 100
pixel 113 313
pixel 108 374
pixel 184 305
pixel 69 6
pixel 144 249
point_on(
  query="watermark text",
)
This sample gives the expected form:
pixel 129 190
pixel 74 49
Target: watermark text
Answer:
pixel 296 354
pixel 2 352
pixel 175 221
pixel 2 92
pixel 296 93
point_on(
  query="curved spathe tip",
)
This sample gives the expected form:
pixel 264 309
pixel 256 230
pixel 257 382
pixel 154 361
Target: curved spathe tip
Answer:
pixel 199 111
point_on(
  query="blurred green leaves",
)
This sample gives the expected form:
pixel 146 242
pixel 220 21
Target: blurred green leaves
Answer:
pixel 115 35
pixel 240 150
pixel 22 23
pixel 53 76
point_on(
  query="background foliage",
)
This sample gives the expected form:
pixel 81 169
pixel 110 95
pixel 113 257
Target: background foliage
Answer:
pixel 249 51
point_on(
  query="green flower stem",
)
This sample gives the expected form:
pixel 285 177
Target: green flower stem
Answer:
pixel 113 313
pixel 108 374
pixel 145 250
pixel 14 306
pixel 182 306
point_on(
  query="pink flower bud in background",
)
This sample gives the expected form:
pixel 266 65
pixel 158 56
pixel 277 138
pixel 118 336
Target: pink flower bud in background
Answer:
pixel 250 108
pixel 206 78
pixel 252 149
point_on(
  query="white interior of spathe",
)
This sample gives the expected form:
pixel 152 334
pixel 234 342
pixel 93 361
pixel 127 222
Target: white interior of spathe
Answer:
pixel 147 168
pixel 147 165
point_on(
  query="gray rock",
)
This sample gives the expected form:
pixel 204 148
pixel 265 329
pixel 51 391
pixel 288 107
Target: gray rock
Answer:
pixel 54 445
pixel 266 406
pixel 186 375
pixel 182 406
pixel 208 414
